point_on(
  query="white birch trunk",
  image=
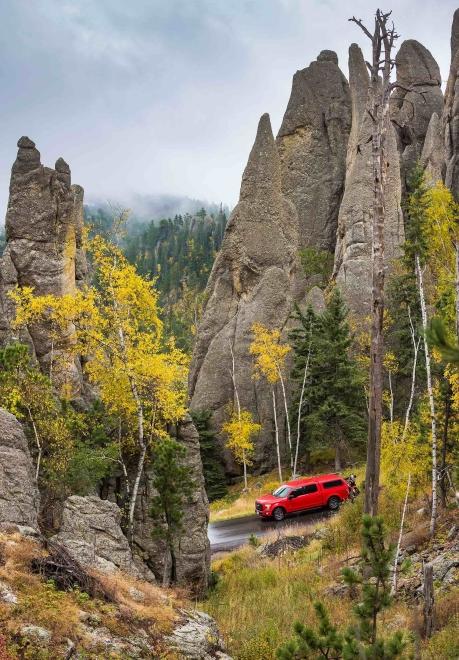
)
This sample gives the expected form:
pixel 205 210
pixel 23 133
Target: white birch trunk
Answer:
pixel 430 394
pixel 413 375
pixel 300 405
pixel 399 543
pixel 276 428
pixel 289 433
pixel 391 405
pixel 238 407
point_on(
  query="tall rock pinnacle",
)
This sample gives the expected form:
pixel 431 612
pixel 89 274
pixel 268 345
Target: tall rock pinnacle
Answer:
pixel 254 279
pixel 359 80
pixel 352 268
pixel 312 144
pixel 411 111
pixel 451 114
pixel 44 222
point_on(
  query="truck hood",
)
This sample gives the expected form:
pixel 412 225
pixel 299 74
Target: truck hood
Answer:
pixel 269 499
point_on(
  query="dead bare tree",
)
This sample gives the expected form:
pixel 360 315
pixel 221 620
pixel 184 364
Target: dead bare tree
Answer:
pixel 382 42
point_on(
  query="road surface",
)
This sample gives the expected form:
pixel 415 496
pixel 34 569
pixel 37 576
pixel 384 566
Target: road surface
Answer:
pixel 230 534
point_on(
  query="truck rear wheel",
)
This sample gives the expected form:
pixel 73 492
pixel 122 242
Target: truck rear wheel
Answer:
pixel 333 503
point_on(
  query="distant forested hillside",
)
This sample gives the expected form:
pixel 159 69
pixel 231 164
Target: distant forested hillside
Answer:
pixel 178 252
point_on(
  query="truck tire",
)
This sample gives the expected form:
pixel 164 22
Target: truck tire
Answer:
pixel 333 503
pixel 278 513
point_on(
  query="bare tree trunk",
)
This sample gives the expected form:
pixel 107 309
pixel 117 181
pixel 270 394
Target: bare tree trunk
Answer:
pixel 433 423
pixel 413 375
pixel 382 40
pixel 399 543
pixel 276 429
pixel 428 592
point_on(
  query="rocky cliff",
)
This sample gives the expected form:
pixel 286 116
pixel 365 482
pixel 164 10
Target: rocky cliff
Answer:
pixel 450 120
pixel 324 150
pixel 352 267
pixel 44 223
pixel 312 143
pixel 254 279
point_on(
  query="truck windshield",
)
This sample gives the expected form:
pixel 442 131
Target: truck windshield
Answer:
pixel 282 491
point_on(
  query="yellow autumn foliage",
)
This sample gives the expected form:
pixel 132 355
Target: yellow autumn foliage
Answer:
pixel 401 455
pixel 268 352
pixel 117 327
pixel 240 429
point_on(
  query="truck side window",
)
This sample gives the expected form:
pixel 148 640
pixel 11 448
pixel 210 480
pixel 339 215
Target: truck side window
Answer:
pixel 333 484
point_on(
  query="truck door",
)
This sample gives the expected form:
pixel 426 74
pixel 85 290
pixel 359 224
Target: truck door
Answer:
pixel 310 497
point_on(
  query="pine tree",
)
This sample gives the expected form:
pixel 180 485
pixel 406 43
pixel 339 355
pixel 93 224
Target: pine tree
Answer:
pixel 174 485
pixel 361 639
pixel 214 474
pixel 333 409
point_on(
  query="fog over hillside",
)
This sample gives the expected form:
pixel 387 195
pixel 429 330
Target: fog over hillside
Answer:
pixel 154 207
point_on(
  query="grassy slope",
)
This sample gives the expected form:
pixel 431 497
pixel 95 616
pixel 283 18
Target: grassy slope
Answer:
pixel 256 600
pixel 41 604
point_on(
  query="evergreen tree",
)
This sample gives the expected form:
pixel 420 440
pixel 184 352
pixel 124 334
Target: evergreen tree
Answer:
pixel 174 486
pixel 361 639
pixel 214 474
pixel 333 411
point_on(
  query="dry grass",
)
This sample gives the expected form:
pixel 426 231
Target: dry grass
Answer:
pixel 134 604
pixel 269 595
pixel 142 602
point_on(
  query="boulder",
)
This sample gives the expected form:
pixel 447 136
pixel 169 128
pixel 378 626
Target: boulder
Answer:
pixel 44 225
pixel 7 595
pixel 254 279
pixel 353 261
pixel 312 143
pixel 91 533
pixel 197 638
pixel 19 497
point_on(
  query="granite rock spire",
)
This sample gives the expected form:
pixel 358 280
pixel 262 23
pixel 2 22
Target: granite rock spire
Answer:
pixel 254 279
pixel 312 143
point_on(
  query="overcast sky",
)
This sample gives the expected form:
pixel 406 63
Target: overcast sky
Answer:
pixel 163 96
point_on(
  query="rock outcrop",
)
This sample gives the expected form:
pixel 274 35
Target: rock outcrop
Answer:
pixel 44 223
pixel 192 549
pixel 19 497
pixel 254 279
pixel 354 241
pixel 312 144
pixel 91 533
pixel 197 637
pixel 411 111
pixel 433 153
pixel 451 114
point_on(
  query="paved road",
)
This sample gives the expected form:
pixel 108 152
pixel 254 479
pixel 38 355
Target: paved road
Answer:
pixel 230 534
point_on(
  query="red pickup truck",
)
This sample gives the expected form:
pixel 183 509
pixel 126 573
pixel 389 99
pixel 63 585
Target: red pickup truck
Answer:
pixel 327 490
